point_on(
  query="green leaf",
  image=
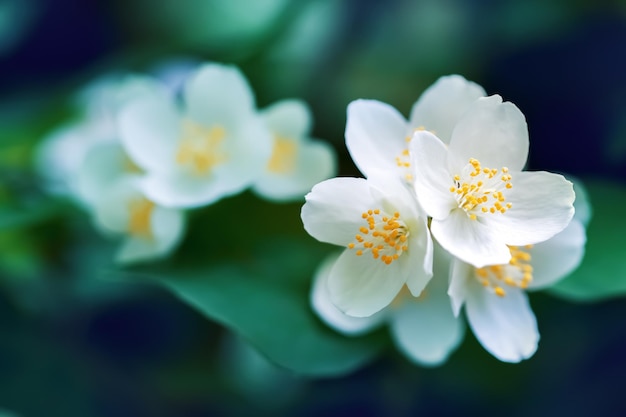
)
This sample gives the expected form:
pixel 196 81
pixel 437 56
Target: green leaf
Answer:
pixel 269 306
pixel 25 215
pixel 602 273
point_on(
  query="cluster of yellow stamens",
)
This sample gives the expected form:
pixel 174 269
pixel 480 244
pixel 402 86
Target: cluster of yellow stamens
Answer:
pixel 140 211
pixel 200 147
pixel 283 159
pixel 483 190
pixel 385 237
pixel 517 273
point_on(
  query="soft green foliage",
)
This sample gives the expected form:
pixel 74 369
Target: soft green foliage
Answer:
pixel 276 318
pixel 602 273
pixel 269 307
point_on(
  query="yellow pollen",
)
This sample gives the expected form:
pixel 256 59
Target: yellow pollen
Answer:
pixel 388 237
pixel 140 215
pixel 283 159
pixel 472 187
pixel 200 147
pixel 517 273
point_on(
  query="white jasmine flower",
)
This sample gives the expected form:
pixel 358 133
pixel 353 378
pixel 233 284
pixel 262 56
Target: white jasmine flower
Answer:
pixel 385 235
pixel 494 296
pixel 213 147
pixel 297 162
pixel 377 135
pixel 424 328
pixel 475 191
pixel 150 231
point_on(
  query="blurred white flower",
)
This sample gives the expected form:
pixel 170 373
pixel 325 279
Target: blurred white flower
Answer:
pixel 150 231
pixel 297 162
pixel 479 199
pixel 424 328
pixel 215 146
pixel 61 155
pixel 385 235
pixel 378 136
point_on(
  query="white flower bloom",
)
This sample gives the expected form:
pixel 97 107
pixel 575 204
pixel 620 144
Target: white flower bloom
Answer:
pixel 216 146
pixel 377 135
pixel 297 162
pixel 475 191
pixel 424 328
pixel 150 231
pixel 494 296
pixel 385 235
pixel 61 154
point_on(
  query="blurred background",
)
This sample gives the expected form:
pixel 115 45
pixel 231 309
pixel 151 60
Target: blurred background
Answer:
pixel 74 343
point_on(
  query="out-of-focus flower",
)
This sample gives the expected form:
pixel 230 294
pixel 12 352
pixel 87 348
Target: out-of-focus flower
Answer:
pixel 385 235
pixel 61 155
pixel 216 146
pixel 475 191
pixel 424 328
pixel 150 231
pixel 378 136
pixel 297 162
pixel 494 296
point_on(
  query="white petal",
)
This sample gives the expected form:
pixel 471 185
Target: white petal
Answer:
pixel 557 257
pixel 375 135
pixel 492 132
pixel 470 240
pixel 315 162
pixel 135 249
pixel 185 191
pixel 583 209
pixel 167 226
pixel 288 118
pixel 249 147
pixel 425 328
pixel 332 212
pixel 420 254
pixel 460 273
pixel 329 313
pixel 432 180
pixel 443 103
pixel 111 209
pixel 102 166
pixel 361 285
pixel 150 130
pixel 218 94
pixel 505 326
pixel 542 206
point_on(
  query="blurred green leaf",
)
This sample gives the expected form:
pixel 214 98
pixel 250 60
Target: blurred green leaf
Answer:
pixel 602 273
pixel 267 303
pixel 24 215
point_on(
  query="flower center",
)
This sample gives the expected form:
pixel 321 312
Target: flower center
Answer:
pixel 200 147
pixel 384 236
pixel 480 190
pixel 283 159
pixel 517 273
pixel 140 214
